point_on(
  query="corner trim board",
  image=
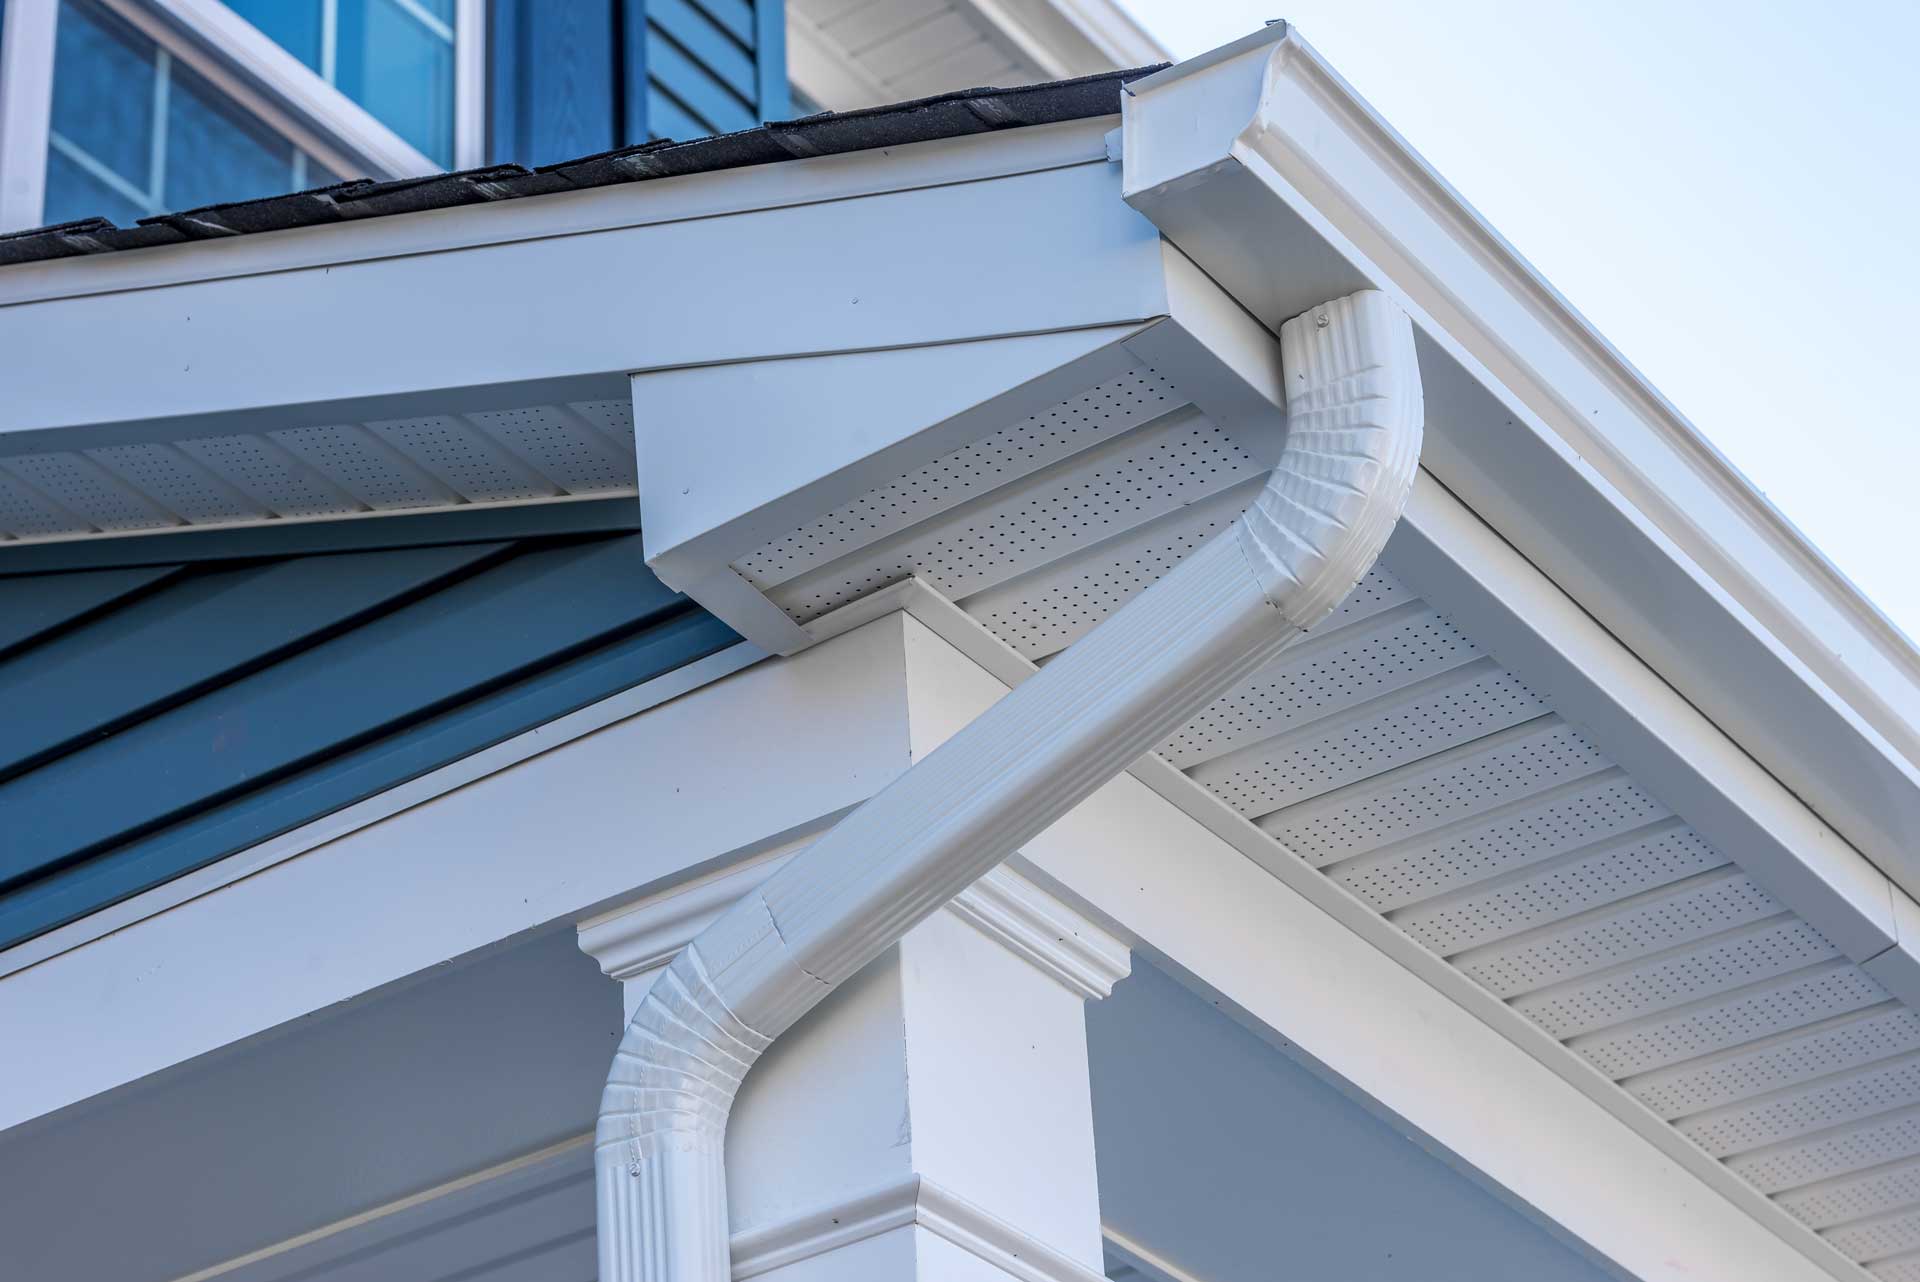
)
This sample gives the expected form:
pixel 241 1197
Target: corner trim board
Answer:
pixel 914 1201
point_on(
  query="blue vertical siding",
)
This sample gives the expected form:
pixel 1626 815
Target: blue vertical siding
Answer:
pixel 573 77
pixel 552 80
pixel 162 717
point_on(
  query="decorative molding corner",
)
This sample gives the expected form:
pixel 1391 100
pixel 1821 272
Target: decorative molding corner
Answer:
pixel 1056 940
pixel 643 936
pixel 912 1201
pixel 639 938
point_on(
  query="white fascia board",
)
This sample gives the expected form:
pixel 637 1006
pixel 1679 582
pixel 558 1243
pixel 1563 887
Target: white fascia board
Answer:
pixel 1260 163
pixel 620 205
pixel 822 430
pixel 1165 866
pixel 571 292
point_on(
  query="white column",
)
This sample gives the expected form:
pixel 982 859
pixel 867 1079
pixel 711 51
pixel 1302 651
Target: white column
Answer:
pixel 931 1119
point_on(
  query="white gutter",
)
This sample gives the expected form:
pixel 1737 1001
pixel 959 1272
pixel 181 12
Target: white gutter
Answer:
pixel 1355 415
pixel 1539 425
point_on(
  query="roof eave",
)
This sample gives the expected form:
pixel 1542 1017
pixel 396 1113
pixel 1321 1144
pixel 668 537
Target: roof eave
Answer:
pixel 1550 435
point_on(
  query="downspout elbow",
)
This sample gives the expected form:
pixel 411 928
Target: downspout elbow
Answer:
pixel 660 1141
pixel 1353 442
pixel 1355 411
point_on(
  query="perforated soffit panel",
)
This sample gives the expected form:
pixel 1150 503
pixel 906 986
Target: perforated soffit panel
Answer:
pixel 1390 753
pixel 538 453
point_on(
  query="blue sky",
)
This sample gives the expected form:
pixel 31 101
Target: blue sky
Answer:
pixel 1729 191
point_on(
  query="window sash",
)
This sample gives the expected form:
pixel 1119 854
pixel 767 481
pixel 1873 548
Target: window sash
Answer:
pixel 242 63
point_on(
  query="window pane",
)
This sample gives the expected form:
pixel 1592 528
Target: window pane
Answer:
pixel 103 80
pixel 215 152
pixel 294 25
pixel 318 175
pixel 107 154
pixel 395 58
pixel 74 192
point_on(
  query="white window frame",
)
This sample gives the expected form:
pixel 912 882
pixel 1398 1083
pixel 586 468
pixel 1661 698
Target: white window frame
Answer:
pixel 245 65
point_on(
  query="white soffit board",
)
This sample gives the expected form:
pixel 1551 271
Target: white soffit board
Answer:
pixel 430 402
pixel 1392 752
pixel 529 454
pixel 846 54
pixel 1260 163
pixel 935 461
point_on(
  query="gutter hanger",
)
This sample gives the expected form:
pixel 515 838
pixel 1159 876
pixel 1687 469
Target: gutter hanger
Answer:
pixel 1353 442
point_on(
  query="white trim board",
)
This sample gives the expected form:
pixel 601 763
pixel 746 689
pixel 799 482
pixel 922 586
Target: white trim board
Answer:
pixel 1152 857
pixel 1591 679
pixel 1540 426
pixel 1309 965
pixel 567 320
pixel 731 191
pixel 26 108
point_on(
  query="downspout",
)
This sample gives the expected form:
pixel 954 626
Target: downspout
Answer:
pixel 1353 443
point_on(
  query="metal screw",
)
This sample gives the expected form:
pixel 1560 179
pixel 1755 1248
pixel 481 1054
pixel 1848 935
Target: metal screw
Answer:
pixel 1320 321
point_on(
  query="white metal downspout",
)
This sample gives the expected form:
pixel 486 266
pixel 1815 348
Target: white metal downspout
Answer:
pixel 1353 443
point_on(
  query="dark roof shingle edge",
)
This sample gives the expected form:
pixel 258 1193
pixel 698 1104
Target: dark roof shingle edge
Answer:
pixel 948 115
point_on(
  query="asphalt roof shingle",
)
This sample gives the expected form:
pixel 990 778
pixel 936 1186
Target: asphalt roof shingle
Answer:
pixel 949 115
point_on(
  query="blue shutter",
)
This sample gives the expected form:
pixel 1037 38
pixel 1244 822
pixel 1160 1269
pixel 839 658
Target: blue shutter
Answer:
pixel 574 77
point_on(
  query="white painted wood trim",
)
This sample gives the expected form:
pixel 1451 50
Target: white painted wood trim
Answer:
pixel 1289 950
pixel 912 1201
pixel 635 939
pixel 416 348
pixel 186 551
pixel 822 71
pixel 1317 525
pixel 1508 606
pixel 1527 622
pixel 1053 938
pixel 1265 125
pixel 470 106
pixel 786 185
pixel 1148 871
pixel 1108 26
pixel 26 106
pixel 1064 38
pixel 1305 963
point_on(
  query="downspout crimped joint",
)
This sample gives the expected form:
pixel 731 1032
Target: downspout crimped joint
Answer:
pixel 1355 414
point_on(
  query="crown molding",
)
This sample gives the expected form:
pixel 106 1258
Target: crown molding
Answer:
pixel 638 938
pixel 912 1201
